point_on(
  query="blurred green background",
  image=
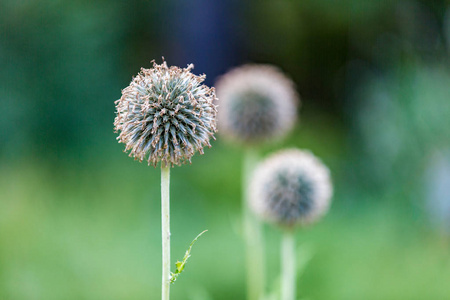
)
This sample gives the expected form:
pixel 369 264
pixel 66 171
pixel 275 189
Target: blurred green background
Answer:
pixel 81 220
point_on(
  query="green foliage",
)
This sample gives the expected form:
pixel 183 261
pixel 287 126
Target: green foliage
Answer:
pixel 181 264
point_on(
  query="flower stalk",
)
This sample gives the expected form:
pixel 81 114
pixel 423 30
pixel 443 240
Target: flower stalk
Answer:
pixel 288 266
pixel 165 230
pixel 253 235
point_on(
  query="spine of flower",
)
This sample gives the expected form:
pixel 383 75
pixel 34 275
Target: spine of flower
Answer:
pixel 254 238
pixel 165 226
pixel 288 266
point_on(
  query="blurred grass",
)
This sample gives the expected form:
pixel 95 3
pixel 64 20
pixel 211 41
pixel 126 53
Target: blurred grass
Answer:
pixel 91 230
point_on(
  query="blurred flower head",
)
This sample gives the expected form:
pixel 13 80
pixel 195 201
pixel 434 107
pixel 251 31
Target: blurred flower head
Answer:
pixel 258 104
pixel 166 115
pixel 290 188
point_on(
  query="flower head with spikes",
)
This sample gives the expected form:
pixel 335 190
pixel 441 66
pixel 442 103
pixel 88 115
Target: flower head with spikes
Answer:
pixel 166 115
pixel 291 188
pixel 258 104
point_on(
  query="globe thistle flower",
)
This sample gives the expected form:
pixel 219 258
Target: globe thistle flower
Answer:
pixel 166 115
pixel 291 187
pixel 258 104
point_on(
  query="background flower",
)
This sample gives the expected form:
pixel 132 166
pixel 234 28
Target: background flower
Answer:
pixel 258 104
pixel 291 187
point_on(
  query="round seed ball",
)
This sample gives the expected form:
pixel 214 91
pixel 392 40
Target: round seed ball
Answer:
pixel 166 115
pixel 258 104
pixel 291 188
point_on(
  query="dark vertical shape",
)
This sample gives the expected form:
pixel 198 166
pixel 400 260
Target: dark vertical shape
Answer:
pixel 205 33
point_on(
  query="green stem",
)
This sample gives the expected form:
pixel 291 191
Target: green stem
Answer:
pixel 288 266
pixel 253 235
pixel 165 230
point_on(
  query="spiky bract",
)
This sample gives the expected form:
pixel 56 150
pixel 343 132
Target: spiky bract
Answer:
pixel 291 187
pixel 166 115
pixel 258 104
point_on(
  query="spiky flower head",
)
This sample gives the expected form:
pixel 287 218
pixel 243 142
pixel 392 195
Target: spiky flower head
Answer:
pixel 291 188
pixel 258 103
pixel 166 115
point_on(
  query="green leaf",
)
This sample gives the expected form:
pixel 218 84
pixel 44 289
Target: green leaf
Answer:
pixel 181 264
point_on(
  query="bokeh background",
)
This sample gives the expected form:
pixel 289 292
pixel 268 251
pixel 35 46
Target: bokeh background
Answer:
pixel 81 220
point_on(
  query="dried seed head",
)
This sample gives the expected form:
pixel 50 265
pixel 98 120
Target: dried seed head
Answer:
pixel 290 188
pixel 165 114
pixel 258 103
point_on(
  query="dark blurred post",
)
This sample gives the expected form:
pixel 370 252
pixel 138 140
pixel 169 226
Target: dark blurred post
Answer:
pixel 205 33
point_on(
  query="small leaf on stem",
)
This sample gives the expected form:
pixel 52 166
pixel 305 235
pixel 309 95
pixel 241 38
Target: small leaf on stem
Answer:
pixel 181 264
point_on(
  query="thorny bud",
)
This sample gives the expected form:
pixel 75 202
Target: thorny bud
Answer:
pixel 291 188
pixel 166 115
pixel 258 104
